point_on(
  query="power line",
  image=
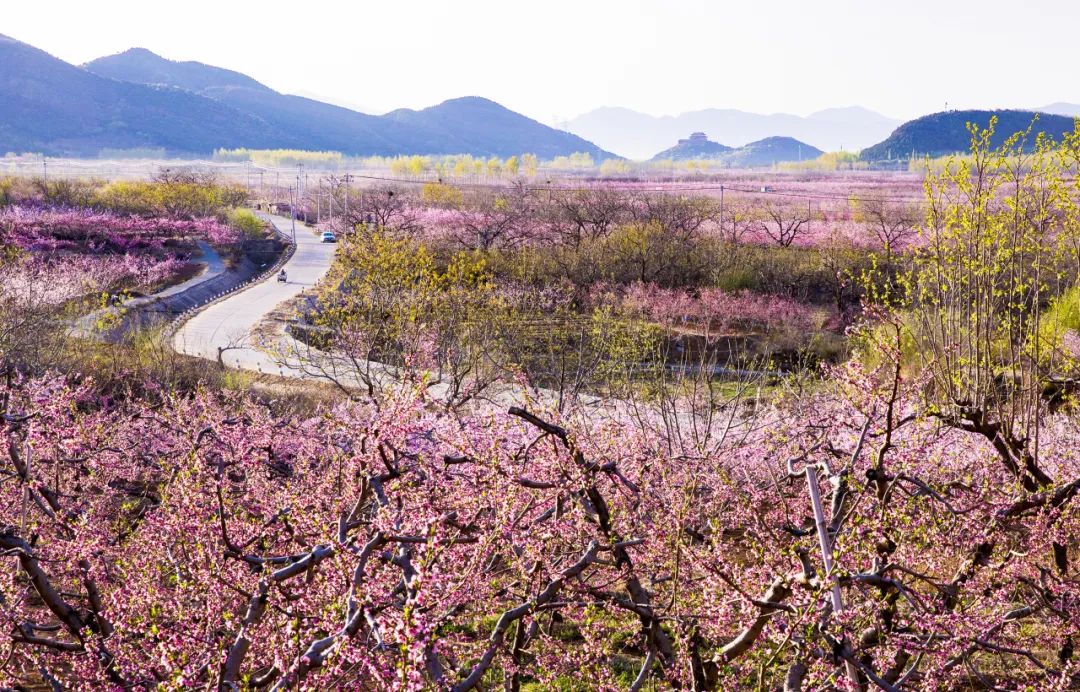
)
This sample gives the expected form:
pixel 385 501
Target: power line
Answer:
pixel 644 187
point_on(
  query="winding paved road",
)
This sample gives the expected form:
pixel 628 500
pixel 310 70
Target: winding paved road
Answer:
pixel 228 324
pixel 231 323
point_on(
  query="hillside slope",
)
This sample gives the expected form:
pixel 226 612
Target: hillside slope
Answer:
pixel 940 134
pixel 695 147
pixel 467 125
pixel 766 152
pixel 481 126
pixel 145 67
pixel 52 107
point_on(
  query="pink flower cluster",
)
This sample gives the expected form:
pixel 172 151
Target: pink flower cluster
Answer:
pixel 44 282
pixel 709 308
pixel 41 228
pixel 204 541
pixel 84 251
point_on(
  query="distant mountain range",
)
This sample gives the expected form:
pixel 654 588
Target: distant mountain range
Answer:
pixel 940 134
pixel 49 106
pixel 137 99
pixel 764 152
pixel 1071 110
pixel 639 136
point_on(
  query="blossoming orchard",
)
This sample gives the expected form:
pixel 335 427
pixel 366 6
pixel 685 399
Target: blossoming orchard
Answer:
pixel 801 434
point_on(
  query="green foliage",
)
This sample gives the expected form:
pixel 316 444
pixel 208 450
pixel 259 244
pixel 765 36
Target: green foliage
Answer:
pixel 873 342
pixel 441 195
pixel 575 161
pixel 1064 312
pixel 452 166
pixel 246 221
pixel 1059 330
pixel 735 279
pixel 997 249
pixel 7 190
pixel 530 164
pixel 983 276
pixel 652 252
pixel 829 161
pixel 281 158
pixel 66 192
pixel 389 296
pixel 170 198
pixel 625 346
pixel 411 165
pixel 612 167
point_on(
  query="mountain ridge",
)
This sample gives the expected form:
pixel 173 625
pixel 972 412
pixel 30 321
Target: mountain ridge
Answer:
pixel 639 135
pixel 138 99
pixel 1071 110
pixel 489 130
pixel 143 66
pixel 50 106
pixel 944 133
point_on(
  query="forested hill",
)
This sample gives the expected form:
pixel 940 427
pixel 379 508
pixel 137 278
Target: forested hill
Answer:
pixel 762 153
pixel 766 152
pixel 940 134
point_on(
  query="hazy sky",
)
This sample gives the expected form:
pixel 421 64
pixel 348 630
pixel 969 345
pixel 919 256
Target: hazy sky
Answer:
pixel 554 59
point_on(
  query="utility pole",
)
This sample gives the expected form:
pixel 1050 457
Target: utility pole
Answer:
pixel 45 169
pixel 721 208
pixel 300 189
pixel 330 200
pixel 292 208
pixel 347 199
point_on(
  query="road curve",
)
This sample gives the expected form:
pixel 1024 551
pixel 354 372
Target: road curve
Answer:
pixel 212 267
pixel 227 325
